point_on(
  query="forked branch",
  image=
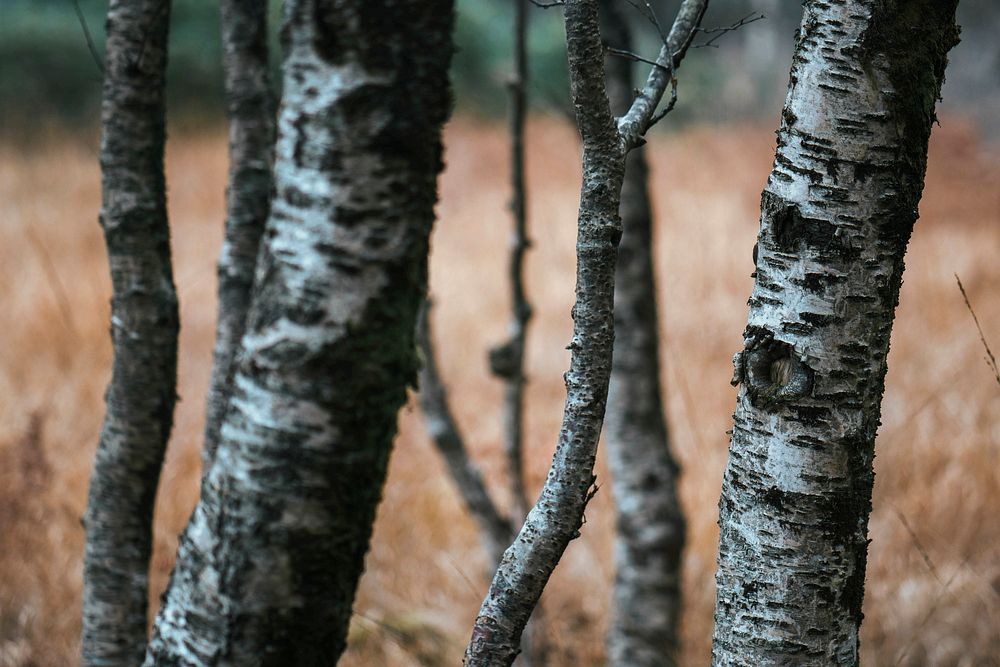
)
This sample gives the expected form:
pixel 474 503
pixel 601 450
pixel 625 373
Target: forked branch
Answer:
pixel 556 518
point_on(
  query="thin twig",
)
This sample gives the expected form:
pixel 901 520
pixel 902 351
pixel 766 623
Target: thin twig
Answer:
pixel 86 35
pixel 547 5
pixel 54 282
pixel 670 104
pixel 930 612
pixel 650 15
pixel 916 542
pixel 634 123
pixel 991 360
pixel 635 57
pixel 752 17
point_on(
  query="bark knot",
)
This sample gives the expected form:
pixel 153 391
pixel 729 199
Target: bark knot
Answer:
pixel 770 370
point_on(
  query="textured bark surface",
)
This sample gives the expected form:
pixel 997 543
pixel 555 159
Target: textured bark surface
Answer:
pixel 250 106
pixel 144 326
pixel 268 565
pixel 650 526
pixel 836 216
pixel 556 517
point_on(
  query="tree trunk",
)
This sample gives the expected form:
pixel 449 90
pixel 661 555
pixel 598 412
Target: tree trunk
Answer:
pixel 836 217
pixel 495 530
pixel 557 516
pixel 650 530
pixel 268 565
pixel 251 139
pixel 144 326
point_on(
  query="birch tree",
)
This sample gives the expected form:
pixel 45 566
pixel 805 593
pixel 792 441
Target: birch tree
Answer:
pixel 557 516
pixel 650 528
pixel 268 565
pixel 250 107
pixel 836 216
pixel 144 326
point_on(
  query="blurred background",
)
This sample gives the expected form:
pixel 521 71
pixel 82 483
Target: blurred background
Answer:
pixel 933 586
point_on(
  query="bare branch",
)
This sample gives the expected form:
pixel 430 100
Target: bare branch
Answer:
pixel 556 518
pixel 495 530
pixel 86 36
pixel 661 114
pixel 650 15
pixel 916 543
pixel 991 360
pixel 639 117
pixel 630 55
pixel 752 17
pixel 547 5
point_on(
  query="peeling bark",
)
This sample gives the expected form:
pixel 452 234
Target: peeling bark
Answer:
pixel 250 107
pixel 650 526
pixel 836 217
pixel 268 565
pixel 144 327
pixel 557 516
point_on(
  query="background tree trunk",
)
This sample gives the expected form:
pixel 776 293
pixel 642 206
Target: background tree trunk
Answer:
pixel 557 516
pixel 250 106
pixel 836 217
pixel 144 326
pixel 650 528
pixel 268 565
pixel 495 529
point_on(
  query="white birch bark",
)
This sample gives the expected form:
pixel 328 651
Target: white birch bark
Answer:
pixel 250 107
pixel 836 216
pixel 268 565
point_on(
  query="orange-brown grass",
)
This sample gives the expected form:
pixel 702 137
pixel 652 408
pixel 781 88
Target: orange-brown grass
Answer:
pixel 933 594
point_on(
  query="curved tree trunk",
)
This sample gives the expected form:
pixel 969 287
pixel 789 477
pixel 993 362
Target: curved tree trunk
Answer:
pixel 144 326
pixel 836 217
pixel 650 526
pixel 557 516
pixel 495 529
pixel 268 565
pixel 250 106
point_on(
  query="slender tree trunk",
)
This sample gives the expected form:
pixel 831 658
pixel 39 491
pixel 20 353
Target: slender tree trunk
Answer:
pixel 144 326
pixel 495 530
pixel 268 566
pixel 557 516
pixel 507 361
pixel 650 530
pixel 836 217
pixel 250 106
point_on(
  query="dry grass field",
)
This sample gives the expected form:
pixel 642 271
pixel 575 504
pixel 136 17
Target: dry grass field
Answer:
pixel 933 589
